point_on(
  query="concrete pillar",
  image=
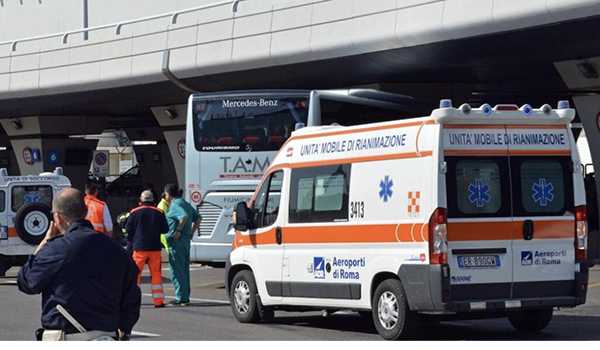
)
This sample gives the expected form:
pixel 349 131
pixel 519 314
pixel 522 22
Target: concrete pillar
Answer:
pixel 172 120
pixel 47 137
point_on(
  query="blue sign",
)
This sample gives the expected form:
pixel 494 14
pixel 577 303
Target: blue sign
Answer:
pixel 53 157
pixel 543 192
pixel 526 258
pixel 36 155
pixel 319 267
pixel 385 188
pixel 479 193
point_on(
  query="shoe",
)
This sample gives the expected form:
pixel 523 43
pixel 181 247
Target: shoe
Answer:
pixel 176 303
pixel 158 306
pixel 184 303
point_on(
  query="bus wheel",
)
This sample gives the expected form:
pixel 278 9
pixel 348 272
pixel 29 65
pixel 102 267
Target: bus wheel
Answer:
pixel 391 315
pixel 530 321
pixel 243 297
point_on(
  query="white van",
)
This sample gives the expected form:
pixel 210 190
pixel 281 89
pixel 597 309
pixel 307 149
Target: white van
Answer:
pixel 25 206
pixel 465 213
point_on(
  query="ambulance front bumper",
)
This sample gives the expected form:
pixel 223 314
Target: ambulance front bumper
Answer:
pixel 428 289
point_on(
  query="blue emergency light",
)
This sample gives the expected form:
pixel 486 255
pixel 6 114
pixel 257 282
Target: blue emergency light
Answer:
pixel 446 103
pixel 527 109
pixel 486 109
pixel 563 104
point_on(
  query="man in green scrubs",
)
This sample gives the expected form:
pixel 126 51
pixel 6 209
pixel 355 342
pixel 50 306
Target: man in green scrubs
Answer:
pixel 183 221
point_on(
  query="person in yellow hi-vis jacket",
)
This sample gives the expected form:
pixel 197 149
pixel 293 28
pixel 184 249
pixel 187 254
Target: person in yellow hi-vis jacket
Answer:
pixel 164 206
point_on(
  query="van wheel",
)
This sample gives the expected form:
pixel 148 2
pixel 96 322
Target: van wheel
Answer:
pixel 32 221
pixel 391 315
pixel 530 321
pixel 243 297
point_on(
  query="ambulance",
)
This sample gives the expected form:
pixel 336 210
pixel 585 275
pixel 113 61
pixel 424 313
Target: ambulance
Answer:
pixel 467 213
pixel 25 213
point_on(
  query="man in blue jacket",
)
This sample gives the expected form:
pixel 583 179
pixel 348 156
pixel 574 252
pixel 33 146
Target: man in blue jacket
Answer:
pixel 86 273
pixel 144 226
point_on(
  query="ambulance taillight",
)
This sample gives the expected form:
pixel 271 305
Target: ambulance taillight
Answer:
pixel 438 237
pixel 581 233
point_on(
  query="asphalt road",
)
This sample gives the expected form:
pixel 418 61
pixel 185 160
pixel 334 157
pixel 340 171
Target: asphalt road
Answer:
pixel 209 317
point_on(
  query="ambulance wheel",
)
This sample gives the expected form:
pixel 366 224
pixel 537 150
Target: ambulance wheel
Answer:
pixel 4 266
pixel 530 321
pixel 391 315
pixel 32 221
pixel 244 297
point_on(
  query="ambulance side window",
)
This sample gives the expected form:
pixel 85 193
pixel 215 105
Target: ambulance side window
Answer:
pixel 266 205
pixel 319 194
pixel 2 201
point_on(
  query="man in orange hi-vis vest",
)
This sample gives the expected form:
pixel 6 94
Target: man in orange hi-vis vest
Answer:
pixel 97 214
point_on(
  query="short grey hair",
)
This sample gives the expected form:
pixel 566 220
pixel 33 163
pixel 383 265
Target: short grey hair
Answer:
pixel 70 204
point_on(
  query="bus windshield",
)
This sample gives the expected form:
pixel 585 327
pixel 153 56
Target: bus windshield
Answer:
pixel 256 123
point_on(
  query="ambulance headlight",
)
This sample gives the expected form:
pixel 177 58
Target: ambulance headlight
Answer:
pixel 465 108
pixel 446 103
pixel 526 109
pixel 564 104
pixel 486 109
pixel 547 109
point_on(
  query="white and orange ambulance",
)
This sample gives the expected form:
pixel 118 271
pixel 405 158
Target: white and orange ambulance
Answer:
pixel 25 205
pixel 465 213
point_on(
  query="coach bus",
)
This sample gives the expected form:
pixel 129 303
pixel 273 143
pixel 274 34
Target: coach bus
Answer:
pixel 233 136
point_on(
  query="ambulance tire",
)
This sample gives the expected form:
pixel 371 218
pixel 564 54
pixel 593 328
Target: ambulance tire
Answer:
pixel 243 296
pixel 530 321
pixel 390 297
pixel 4 266
pixel 33 238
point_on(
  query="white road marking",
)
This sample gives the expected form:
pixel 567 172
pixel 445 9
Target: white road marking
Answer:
pixel 144 334
pixel 8 282
pixel 215 301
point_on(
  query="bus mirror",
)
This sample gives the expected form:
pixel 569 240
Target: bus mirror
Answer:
pixel 299 126
pixel 241 217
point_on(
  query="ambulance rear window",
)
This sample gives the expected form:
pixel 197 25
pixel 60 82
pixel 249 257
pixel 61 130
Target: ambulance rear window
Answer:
pixel 22 195
pixel 542 186
pixel 2 201
pixel 477 187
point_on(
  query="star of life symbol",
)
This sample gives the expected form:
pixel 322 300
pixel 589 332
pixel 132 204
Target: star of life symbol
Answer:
pixel 385 188
pixel 543 192
pixel 479 193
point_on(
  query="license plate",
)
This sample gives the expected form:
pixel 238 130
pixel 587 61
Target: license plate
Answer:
pixel 478 261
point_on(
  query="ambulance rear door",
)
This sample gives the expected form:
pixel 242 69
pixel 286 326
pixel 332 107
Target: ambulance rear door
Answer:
pixel 542 175
pixel 480 224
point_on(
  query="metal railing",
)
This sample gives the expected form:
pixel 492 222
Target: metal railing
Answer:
pixel 173 15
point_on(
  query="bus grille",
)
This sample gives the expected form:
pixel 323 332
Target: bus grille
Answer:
pixel 210 215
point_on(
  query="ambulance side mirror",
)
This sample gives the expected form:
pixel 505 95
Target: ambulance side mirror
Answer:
pixel 242 217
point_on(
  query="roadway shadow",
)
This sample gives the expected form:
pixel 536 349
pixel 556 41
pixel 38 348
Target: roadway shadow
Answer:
pixel 562 327
pixel 146 279
pixel 189 306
